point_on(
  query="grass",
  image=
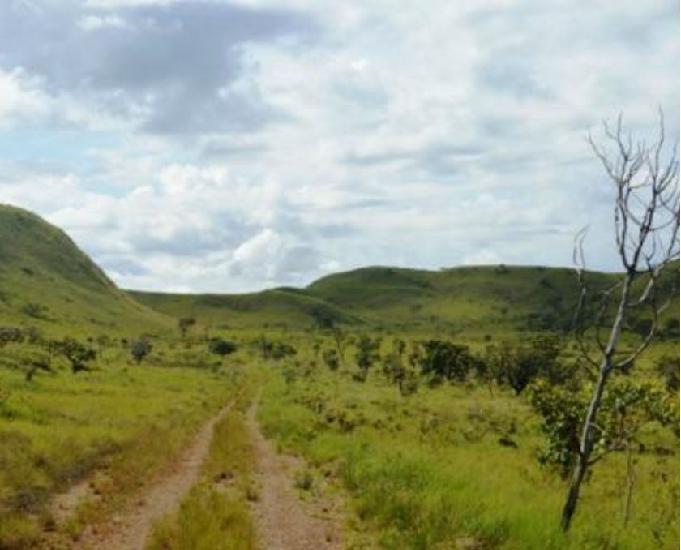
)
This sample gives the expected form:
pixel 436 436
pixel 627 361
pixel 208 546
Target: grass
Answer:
pixel 215 514
pixel 466 302
pixel 46 282
pixel 422 471
pixel 427 471
pixel 122 421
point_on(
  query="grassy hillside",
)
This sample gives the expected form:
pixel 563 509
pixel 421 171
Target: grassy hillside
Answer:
pixel 468 299
pixel 47 282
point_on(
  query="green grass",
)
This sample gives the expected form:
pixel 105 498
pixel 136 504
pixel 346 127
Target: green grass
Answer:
pixel 421 471
pixel 427 471
pixel 471 301
pixel 122 421
pixel 48 283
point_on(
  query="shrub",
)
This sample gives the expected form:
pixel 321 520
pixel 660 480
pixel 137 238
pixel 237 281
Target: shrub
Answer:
pixel 367 355
pixel 218 346
pixel 444 360
pixel 517 365
pixel 140 349
pixel 75 353
pixel 330 358
pixel 35 310
pixel 10 335
pixel 668 367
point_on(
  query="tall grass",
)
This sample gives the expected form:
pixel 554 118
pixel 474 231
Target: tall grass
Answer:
pixel 427 471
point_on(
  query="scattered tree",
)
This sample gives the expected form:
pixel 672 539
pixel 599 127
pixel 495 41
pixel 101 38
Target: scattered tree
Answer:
pixel 184 324
pixel 75 353
pixel 646 215
pixel 219 346
pixel 367 355
pixel 140 349
pixel 330 358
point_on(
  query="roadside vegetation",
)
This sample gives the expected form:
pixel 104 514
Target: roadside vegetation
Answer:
pixel 465 454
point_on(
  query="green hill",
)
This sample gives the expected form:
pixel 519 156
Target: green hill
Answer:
pixel 47 282
pixel 471 299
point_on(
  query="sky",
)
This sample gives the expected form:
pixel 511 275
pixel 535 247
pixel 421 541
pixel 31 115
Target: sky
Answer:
pixel 229 146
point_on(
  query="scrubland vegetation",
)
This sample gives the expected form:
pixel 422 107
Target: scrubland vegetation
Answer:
pixel 443 407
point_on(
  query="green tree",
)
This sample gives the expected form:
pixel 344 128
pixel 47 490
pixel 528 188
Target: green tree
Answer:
pixel 75 353
pixel 139 349
pixel 367 354
pixel 184 324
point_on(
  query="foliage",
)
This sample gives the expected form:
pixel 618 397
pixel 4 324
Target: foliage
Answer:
pixel 75 353
pixel 10 335
pixel 444 360
pixel 367 354
pixel 330 358
pixel 220 346
pixel 667 366
pixel 275 350
pixel 561 411
pixel 626 407
pixel 517 365
pixel 184 324
pixel 139 349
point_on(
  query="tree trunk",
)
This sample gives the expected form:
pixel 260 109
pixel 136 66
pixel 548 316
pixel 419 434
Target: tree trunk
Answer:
pixel 586 442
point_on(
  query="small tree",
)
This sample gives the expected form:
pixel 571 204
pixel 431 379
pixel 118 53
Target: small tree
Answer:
pixel 646 213
pixel 76 354
pixel 184 324
pixel 367 355
pixel 330 358
pixel 218 346
pixel 626 407
pixel 9 335
pixel 140 349
pixel 35 364
pixel 668 368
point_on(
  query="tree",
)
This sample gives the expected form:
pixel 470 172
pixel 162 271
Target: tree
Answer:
pixel 367 355
pixel 76 354
pixel 35 364
pixel 445 360
pixel 184 324
pixel 330 358
pixel 218 346
pixel 10 335
pixel 667 366
pixel 625 408
pixel 518 365
pixel 646 218
pixel 140 349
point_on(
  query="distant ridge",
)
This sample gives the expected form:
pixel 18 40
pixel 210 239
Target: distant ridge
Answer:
pixel 48 282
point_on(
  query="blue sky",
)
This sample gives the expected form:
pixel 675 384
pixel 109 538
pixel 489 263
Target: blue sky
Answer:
pixel 229 146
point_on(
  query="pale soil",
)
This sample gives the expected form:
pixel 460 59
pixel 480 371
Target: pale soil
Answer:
pixel 130 529
pixel 283 521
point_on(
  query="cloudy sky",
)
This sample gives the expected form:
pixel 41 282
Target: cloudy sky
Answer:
pixel 231 145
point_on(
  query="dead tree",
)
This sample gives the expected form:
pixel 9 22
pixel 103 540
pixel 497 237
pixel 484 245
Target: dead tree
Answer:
pixel 646 215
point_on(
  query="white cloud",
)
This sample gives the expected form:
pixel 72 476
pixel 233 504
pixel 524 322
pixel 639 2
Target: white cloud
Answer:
pixel 95 22
pixel 21 98
pixel 425 135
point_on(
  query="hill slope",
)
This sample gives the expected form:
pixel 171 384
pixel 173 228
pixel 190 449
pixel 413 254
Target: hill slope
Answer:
pixel 47 282
pixel 476 299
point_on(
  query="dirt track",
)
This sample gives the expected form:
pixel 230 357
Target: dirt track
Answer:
pixel 130 530
pixel 282 520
